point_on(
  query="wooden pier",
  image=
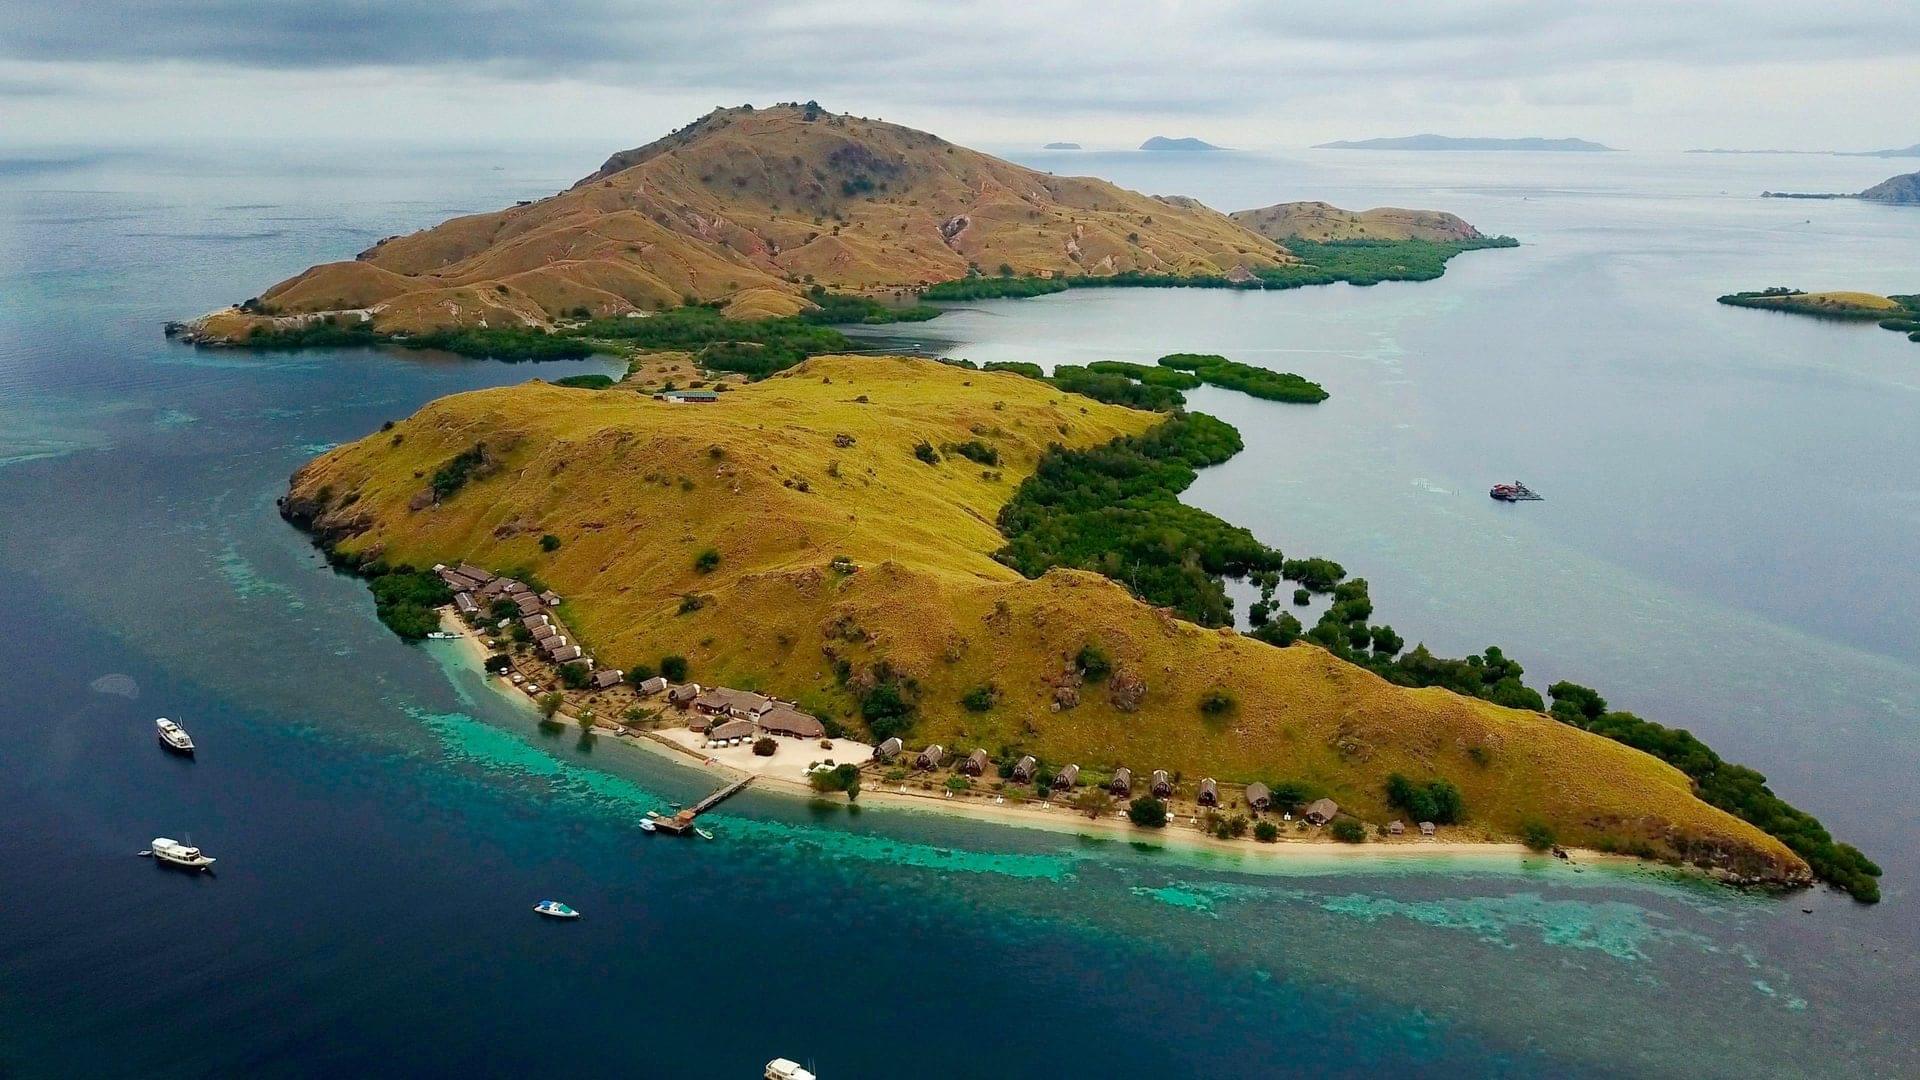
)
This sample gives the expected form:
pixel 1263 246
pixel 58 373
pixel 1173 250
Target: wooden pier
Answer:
pixel 682 823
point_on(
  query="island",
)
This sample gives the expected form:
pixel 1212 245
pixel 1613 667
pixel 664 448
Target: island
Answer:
pixel 964 574
pixel 1902 190
pixel 1900 314
pixel 1326 223
pixel 1904 151
pixel 1061 146
pixel 1446 142
pixel 1163 144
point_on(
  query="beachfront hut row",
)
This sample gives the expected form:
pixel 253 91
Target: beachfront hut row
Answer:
pixel 976 763
pixel 683 695
pixel 1396 827
pixel 1426 828
pixel 1066 778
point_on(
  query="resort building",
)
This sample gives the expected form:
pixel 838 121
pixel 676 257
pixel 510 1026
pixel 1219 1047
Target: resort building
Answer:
pixel 1258 797
pixel 1066 778
pixel 887 750
pixel 1396 828
pixel 740 704
pixel 687 397
pixel 976 763
pixel 605 678
pixel 1024 769
pixel 1321 811
pixel 784 719
pixel 730 732
pixel 1426 828
pixel 650 687
pixel 931 757
pixel 1162 784
pixel 684 695
pixel 1122 782
pixel 1209 793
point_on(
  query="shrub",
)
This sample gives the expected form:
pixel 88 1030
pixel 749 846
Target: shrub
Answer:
pixel 925 452
pixel 549 542
pixel 764 746
pixel 975 451
pixel 1437 801
pixel 674 668
pixel 1217 702
pixel 550 703
pixel 1301 597
pixel 959 783
pixel 1348 831
pixel 1147 812
pixel 1093 662
pixel 639 673
pixel 1537 835
pixel 981 698
pixel 707 561
pixel 574 676
pixel 1266 832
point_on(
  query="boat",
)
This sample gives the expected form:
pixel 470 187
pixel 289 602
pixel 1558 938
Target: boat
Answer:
pixel 647 825
pixel 783 1069
pixel 554 909
pixel 174 737
pixel 702 833
pixel 442 635
pixel 175 853
pixel 1514 492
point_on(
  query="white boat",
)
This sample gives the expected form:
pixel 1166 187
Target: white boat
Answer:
pixel 442 635
pixel 703 834
pixel 554 909
pixel 782 1069
pixel 173 736
pixel 647 825
pixel 175 853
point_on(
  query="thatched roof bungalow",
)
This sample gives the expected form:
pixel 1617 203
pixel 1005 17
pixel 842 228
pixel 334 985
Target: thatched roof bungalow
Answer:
pixel 730 730
pixel 606 678
pixel 1321 811
pixel 1162 784
pixel 1209 793
pixel 888 750
pixel 976 763
pixel 742 704
pixel 1024 769
pixel 931 757
pixel 649 687
pixel 683 695
pixel 1258 797
pixel 1066 778
pixel 1396 827
pixel 1122 782
pixel 784 719
pixel 1426 828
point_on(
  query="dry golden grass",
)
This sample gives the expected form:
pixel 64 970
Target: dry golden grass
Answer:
pixel 636 489
pixel 1847 301
pixel 1323 221
pixel 750 206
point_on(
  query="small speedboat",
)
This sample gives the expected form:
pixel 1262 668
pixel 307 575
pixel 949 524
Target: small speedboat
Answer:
pixel 175 853
pixel 703 834
pixel 554 909
pixel 173 736
pixel 647 825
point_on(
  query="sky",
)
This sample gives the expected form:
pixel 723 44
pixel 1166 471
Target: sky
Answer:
pixel 1843 74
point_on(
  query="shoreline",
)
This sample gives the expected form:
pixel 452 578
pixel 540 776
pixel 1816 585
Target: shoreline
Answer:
pixel 1044 815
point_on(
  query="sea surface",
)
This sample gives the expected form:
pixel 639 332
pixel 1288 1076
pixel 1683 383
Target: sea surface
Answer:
pixel 1728 543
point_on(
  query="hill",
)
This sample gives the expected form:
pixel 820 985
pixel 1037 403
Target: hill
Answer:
pixel 760 204
pixel 1445 142
pixel 1327 223
pixel 785 478
pixel 1900 190
pixel 1164 144
pixel 1900 314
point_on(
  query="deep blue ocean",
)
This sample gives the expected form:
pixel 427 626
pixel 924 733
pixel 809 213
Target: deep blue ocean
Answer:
pixel 1729 543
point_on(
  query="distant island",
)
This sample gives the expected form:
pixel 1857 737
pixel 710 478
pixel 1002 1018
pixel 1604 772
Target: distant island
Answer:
pixel 1905 151
pixel 1180 146
pixel 1447 142
pixel 1902 190
pixel 1900 314
pixel 1061 146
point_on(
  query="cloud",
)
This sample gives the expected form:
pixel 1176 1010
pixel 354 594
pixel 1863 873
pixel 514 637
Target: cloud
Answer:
pixel 1008 66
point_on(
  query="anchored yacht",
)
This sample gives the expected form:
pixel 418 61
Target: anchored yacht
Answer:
pixel 175 853
pixel 174 737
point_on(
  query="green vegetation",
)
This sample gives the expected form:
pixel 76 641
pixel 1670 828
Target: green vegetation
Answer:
pixel 585 382
pixel 674 668
pixel 981 698
pixel 575 676
pixel 888 703
pixel 1266 832
pixel 550 703
pixel 1147 812
pixel 1018 367
pixel 405 600
pixel 925 452
pixel 1094 663
pixel 1736 789
pixel 514 343
pixel 1357 262
pixel 1152 376
pixel 1253 381
pixel 1217 702
pixel 842 308
pixel 844 777
pixel 1115 509
pixel 1899 313
pixel 764 746
pixel 754 347
pixel 1538 835
pixel 707 561
pixel 977 452
pixel 1348 831
pixel 467 465
pixel 1116 389
pixel 549 543
pixel 1437 801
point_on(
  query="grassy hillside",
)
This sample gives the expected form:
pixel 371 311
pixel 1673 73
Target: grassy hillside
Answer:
pixel 1897 313
pixel 749 206
pixel 1325 222
pixel 875 461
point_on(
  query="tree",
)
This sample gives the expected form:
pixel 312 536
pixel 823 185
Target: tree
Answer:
pixel 1094 663
pixel 1148 812
pixel 707 561
pixel 1348 831
pixel 549 542
pixel 1093 801
pixel 764 746
pixel 1217 702
pixel 550 703
pixel 1266 832
pixel 1437 801
pixel 638 674
pixel 674 668
pixel 503 609
pixel 1537 835
pixel 981 698
pixel 574 676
